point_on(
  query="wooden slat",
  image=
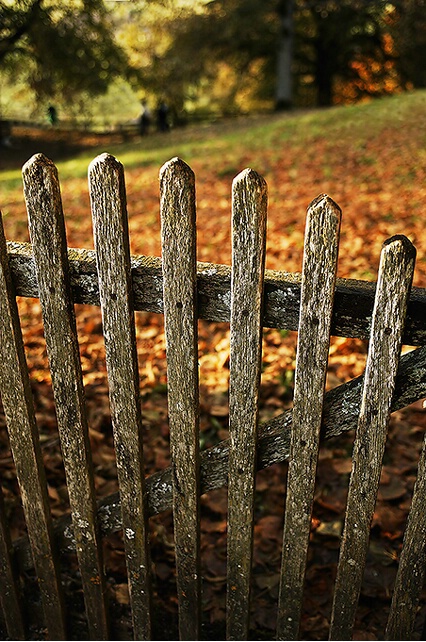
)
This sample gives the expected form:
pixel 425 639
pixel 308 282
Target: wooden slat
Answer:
pixel 393 290
pixel 178 235
pixel 110 227
pixel 24 442
pixel 353 302
pixel 249 209
pixel 47 231
pixel 318 283
pixel 412 564
pixel 10 596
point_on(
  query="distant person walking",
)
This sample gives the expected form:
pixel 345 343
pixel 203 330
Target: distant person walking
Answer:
pixel 5 133
pixel 144 120
pixel 162 117
pixel 52 115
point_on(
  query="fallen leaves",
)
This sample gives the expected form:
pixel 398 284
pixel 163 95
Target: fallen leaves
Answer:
pixel 377 180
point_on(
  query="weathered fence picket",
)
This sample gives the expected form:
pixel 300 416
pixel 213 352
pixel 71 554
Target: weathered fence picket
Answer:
pixel 316 308
pixel 393 290
pixel 412 563
pixel 247 296
pixel 23 436
pixel 110 229
pixel 179 247
pixel 9 581
pixel 47 233
pixel 248 265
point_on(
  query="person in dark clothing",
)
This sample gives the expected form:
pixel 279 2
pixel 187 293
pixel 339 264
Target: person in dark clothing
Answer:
pixel 162 117
pixel 144 120
pixel 5 133
pixel 52 115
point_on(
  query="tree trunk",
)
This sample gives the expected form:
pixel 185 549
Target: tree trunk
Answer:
pixel 323 73
pixel 284 90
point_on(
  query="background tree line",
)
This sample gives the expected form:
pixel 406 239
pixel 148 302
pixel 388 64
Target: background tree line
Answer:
pixel 221 56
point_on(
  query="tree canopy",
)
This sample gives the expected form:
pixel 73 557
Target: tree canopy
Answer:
pixel 407 23
pixel 216 55
pixel 333 43
pixel 60 47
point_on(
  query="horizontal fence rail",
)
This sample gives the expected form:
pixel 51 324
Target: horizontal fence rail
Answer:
pixel 353 301
pixel 315 303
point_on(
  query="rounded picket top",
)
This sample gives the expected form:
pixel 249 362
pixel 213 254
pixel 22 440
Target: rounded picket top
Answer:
pixel 176 169
pixel 105 162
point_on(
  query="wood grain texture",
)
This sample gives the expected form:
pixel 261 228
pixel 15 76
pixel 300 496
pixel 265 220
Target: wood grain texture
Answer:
pixel 393 288
pixel 178 238
pixel 316 307
pixel 111 236
pixel 353 301
pixel 24 442
pixel 249 208
pixel 47 233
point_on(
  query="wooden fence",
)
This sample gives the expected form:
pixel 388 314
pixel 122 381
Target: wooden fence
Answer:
pixel 388 312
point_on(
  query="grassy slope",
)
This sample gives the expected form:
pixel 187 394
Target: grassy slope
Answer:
pixel 370 158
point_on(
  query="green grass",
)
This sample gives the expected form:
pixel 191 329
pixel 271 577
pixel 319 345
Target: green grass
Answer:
pixel 354 123
pixel 220 144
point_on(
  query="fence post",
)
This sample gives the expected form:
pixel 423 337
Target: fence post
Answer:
pixel 316 308
pixel 110 227
pixel 249 205
pixel 25 446
pixel 178 236
pixel 47 232
pixel 393 291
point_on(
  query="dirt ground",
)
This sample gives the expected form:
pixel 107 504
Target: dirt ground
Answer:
pixel 59 144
